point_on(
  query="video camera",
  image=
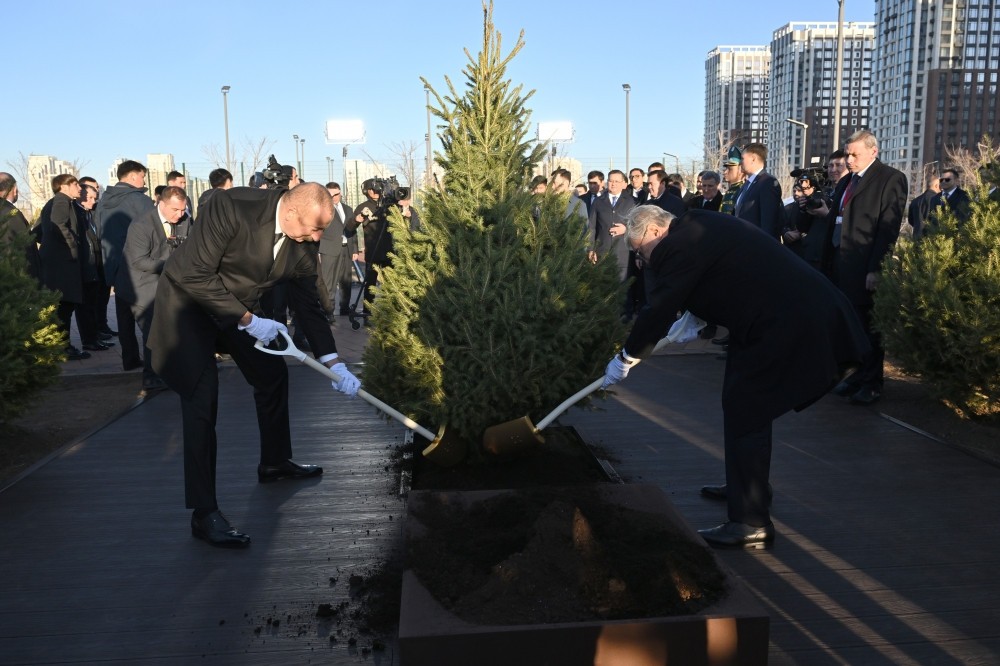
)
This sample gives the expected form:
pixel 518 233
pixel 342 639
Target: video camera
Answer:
pixel 275 175
pixel 389 189
pixel 816 176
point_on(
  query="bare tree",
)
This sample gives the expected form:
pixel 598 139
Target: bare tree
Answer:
pixel 214 153
pixel 405 153
pixel 716 154
pixel 968 163
pixel 254 152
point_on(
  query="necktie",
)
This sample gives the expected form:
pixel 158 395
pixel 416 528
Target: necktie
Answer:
pixel 849 192
pixel 614 200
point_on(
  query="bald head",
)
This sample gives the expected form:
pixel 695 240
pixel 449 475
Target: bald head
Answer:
pixel 306 211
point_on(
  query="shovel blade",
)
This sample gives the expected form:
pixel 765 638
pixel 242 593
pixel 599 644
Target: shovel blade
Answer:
pixel 447 449
pixel 512 437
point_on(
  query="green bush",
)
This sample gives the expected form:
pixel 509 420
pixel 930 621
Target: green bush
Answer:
pixel 938 308
pixel 31 344
pixel 487 314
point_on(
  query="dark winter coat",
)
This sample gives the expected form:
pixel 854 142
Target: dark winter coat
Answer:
pixel 12 224
pixel 120 204
pixel 792 334
pixel 60 250
pixel 146 251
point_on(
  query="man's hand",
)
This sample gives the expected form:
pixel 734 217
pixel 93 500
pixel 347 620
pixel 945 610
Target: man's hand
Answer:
pixel 821 211
pixel 618 369
pixel 264 330
pixel 348 384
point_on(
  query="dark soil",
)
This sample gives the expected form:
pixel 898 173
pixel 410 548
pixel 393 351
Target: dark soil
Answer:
pixel 557 555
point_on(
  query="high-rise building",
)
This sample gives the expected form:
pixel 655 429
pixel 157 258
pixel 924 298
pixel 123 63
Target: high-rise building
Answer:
pixel 158 165
pixel 803 88
pixel 41 170
pixel 935 83
pixel 736 98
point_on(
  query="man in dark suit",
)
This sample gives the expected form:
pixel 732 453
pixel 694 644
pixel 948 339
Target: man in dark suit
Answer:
pixel 869 204
pixel 13 224
pixel 595 185
pixel 208 297
pixel 792 336
pixel 637 185
pixel 335 250
pixel 759 200
pixel 605 225
pixel 660 197
pixel 151 240
pixel 711 196
pixel 951 196
pixel 920 207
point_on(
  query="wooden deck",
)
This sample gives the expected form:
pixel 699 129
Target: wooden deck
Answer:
pixel 888 545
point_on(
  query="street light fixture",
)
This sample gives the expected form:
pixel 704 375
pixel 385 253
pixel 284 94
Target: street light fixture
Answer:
pixel 627 88
pixel 302 166
pixel 677 161
pixel 225 114
pixel 840 76
pixel 805 134
pixel 295 138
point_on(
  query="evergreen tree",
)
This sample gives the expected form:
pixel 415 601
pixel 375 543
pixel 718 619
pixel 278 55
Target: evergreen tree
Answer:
pixel 31 344
pixel 486 313
pixel 938 307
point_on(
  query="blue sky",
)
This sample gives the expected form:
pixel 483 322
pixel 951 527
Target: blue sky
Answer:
pixel 99 80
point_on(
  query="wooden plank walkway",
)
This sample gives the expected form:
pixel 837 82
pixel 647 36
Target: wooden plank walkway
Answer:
pixel 888 543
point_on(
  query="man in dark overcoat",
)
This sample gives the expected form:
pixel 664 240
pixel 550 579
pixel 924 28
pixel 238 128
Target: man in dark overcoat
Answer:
pixel 14 226
pixel 792 336
pixel 208 298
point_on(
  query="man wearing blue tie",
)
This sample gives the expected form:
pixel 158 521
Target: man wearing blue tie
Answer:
pixel 759 201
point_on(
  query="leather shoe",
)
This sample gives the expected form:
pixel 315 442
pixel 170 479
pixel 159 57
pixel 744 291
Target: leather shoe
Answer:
pixel 721 341
pixel 844 389
pixel 739 535
pixel 109 331
pixel 98 346
pixel 153 385
pixel 216 530
pixel 287 470
pixel 719 493
pixel 104 337
pixel 866 395
pixel 74 354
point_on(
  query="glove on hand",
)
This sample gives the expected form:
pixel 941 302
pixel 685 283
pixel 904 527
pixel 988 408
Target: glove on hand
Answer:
pixel 348 384
pixel 264 330
pixel 618 368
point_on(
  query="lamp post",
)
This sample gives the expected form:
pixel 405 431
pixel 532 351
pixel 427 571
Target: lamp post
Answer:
pixel 627 88
pixel 295 138
pixel 677 161
pixel 429 175
pixel 840 76
pixel 225 115
pixel 329 168
pixel 302 165
pixel 805 133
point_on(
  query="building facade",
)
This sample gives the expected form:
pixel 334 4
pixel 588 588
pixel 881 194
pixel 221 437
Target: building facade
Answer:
pixel 41 170
pixel 803 88
pixel 935 89
pixel 737 89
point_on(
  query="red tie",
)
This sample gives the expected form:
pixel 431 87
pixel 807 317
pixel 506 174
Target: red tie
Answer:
pixel 849 191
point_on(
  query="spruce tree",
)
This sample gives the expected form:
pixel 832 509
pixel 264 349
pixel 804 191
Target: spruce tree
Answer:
pixel 486 313
pixel 938 307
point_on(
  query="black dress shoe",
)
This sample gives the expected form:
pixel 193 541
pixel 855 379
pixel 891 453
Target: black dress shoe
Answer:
pixel 216 530
pixel 866 395
pixel 108 331
pixel 74 354
pixel 738 535
pixel 104 337
pixel 287 470
pixel 154 385
pixel 97 346
pixel 719 492
pixel 844 389
pixel 721 341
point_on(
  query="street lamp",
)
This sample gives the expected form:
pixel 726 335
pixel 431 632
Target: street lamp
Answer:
pixel 295 138
pixel 805 133
pixel 225 114
pixel 302 166
pixel 329 169
pixel 840 76
pixel 677 161
pixel 627 88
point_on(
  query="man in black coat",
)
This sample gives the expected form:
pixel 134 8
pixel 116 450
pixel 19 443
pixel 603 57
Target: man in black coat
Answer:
pixel 335 251
pixel 869 205
pixel 711 196
pixel 920 207
pixel 605 226
pixel 792 335
pixel 13 224
pixel 951 196
pixel 759 200
pixel 208 297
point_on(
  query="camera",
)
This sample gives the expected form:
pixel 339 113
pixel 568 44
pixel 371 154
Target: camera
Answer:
pixel 388 189
pixel 275 175
pixel 815 177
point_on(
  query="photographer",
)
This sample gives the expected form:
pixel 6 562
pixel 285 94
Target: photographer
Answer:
pixel 800 214
pixel 373 216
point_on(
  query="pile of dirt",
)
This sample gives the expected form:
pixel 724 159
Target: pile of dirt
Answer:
pixel 550 555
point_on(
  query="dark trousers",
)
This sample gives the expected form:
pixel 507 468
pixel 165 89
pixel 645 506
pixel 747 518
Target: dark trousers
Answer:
pixel 101 306
pixel 126 334
pixel 748 468
pixel 335 271
pixel 144 317
pixel 871 373
pixel 65 312
pixel 86 314
pixel 268 375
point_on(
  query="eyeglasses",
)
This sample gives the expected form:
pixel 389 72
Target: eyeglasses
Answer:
pixel 335 194
pixel 945 180
pixel 594 182
pixel 641 241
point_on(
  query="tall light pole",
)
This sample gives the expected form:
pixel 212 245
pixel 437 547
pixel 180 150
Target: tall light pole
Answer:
pixel 295 138
pixel 329 169
pixel 677 161
pixel 627 88
pixel 805 134
pixel 429 175
pixel 302 166
pixel 225 114
pixel 840 76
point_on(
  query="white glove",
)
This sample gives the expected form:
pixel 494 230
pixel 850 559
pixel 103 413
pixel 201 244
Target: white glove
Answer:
pixel 618 368
pixel 264 330
pixel 348 384
pixel 686 328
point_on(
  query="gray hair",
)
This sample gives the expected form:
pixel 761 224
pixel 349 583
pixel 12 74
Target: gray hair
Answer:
pixel 711 175
pixel 640 218
pixel 865 137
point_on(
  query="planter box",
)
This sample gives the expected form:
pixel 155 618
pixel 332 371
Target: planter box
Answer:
pixel 732 631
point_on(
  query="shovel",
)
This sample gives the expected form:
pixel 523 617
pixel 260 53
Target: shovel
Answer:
pixel 443 449
pixel 515 436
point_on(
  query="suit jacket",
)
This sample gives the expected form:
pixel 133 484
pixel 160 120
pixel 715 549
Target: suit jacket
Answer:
pixel 602 217
pixel 920 207
pixel 959 202
pixel 146 251
pixel 60 251
pixel 698 203
pixel 13 225
pixel 120 204
pixel 331 242
pixel 668 202
pixel 870 227
pixel 792 334
pixel 640 196
pixel 221 272
pixel 759 203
